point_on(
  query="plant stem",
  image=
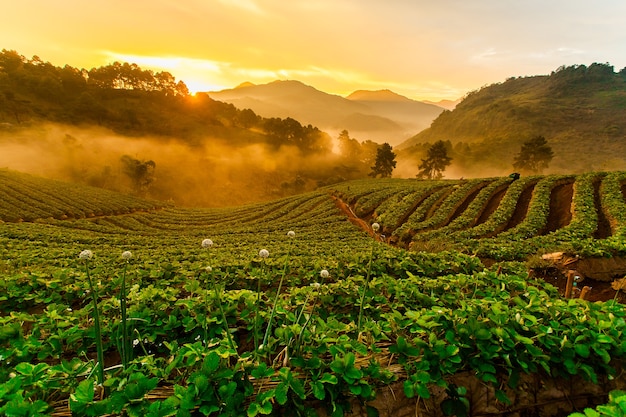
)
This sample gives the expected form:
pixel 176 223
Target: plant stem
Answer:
pixel 218 298
pixel 125 349
pixel 365 288
pixel 96 319
pixel 280 285
pixel 258 308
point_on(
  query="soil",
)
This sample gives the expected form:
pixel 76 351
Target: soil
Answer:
pixel 466 202
pixel 604 226
pixel 598 290
pixel 491 205
pixel 560 214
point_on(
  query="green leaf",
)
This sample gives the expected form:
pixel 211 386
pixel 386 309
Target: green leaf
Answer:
pixel 281 393
pixel 297 388
pixel 84 392
pixel 372 411
pixel 483 334
pixel 211 363
pixel 253 410
pixel 582 350
pixel 502 397
pixel 329 379
pixel 409 389
pixel 318 390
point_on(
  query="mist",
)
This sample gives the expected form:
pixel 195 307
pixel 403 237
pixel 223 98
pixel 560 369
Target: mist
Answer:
pixel 212 174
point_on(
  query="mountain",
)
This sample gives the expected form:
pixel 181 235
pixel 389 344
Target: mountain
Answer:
pixel 578 109
pixel 446 104
pixel 381 116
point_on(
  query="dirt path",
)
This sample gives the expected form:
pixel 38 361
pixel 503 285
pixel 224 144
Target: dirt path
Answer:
pixel 353 218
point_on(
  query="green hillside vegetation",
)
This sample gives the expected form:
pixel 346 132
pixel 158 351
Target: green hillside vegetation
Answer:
pixel 81 122
pixel 302 312
pixel 578 109
pixel 135 102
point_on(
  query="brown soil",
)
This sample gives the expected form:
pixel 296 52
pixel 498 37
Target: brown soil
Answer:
pixel 599 290
pixel 491 205
pixel 465 203
pixel 353 218
pixel 560 214
pixel 438 203
pixel 604 226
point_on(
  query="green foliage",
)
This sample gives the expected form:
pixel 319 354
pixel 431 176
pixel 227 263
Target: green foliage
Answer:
pixel 422 317
pixel 385 162
pixel 576 108
pixel 435 163
pixel 534 157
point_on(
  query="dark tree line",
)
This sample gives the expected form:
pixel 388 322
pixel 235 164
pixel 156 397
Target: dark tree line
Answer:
pixel 134 101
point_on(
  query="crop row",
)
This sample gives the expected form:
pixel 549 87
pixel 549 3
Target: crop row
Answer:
pixel 27 198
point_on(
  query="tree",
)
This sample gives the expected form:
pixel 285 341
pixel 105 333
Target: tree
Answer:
pixel 350 148
pixel 141 173
pixel 534 156
pixel 435 163
pixel 385 162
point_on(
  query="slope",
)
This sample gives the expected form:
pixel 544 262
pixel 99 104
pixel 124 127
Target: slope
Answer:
pixel 578 109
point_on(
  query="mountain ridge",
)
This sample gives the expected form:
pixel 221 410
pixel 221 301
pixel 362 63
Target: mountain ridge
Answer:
pixel 380 116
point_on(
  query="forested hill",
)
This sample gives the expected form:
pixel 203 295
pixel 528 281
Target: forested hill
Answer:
pixel 134 102
pixel 132 130
pixel 578 109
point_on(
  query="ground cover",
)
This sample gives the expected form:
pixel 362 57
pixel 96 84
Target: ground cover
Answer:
pixel 316 322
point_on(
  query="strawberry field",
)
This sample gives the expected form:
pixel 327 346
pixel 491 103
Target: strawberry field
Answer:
pixel 309 305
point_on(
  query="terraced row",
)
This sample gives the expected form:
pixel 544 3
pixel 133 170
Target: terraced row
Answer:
pixel 497 217
pixel 28 198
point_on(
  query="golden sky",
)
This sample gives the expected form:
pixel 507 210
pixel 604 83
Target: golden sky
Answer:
pixel 423 49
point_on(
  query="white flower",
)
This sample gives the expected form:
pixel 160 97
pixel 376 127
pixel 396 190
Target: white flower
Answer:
pixel 264 253
pixel 291 233
pixel 207 243
pixel 208 269
pixel 127 255
pixel 135 342
pixel 324 273
pixel 315 285
pixel 375 227
pixel 86 254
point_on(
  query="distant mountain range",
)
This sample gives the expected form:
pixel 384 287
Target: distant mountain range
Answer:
pixel 380 116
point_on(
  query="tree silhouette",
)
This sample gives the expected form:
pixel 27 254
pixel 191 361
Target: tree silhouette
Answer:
pixel 435 163
pixel 141 173
pixel 534 156
pixel 385 162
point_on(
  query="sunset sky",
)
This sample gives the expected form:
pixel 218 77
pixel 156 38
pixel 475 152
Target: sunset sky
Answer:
pixel 422 49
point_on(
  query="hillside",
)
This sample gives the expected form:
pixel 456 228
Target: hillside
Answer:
pixel 303 306
pixel 78 125
pixel 578 109
pixel 381 116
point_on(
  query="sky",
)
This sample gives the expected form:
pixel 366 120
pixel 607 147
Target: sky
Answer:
pixel 422 49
